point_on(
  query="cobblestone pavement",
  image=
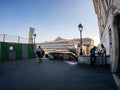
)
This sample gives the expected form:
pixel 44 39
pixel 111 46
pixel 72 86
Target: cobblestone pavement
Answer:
pixel 54 75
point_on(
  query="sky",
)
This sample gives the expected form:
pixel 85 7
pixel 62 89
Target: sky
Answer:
pixel 50 18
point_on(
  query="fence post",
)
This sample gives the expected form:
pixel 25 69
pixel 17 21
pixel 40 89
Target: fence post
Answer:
pixel 4 38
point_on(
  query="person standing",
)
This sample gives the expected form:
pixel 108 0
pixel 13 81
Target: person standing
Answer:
pixel 103 55
pixel 92 55
pixel 39 53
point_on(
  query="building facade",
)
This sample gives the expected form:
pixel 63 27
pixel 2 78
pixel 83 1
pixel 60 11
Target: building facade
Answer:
pixel 67 45
pixel 108 15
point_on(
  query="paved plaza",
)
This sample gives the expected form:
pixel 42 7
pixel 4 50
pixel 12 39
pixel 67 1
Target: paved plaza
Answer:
pixel 54 75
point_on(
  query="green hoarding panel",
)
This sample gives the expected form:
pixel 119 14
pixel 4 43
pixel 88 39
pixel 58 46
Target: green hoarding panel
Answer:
pixel 31 51
pixel 18 48
pixel 0 52
pixel 25 51
pixel 5 51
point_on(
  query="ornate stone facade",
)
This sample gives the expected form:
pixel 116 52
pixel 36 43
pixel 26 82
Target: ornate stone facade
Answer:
pixel 108 15
pixel 65 45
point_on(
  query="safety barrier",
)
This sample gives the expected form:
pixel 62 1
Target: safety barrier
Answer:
pixel 86 59
pixel 16 51
pixel 14 39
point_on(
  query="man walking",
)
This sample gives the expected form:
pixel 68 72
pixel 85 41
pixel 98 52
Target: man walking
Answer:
pixel 103 55
pixel 92 55
pixel 39 53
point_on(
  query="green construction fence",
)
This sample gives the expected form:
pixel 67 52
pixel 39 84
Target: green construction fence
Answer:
pixel 9 51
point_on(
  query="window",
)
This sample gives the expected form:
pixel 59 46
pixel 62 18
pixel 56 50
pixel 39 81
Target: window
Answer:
pixel 105 6
pixel 106 2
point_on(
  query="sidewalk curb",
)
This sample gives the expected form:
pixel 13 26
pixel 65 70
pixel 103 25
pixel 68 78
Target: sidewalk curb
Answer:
pixel 117 80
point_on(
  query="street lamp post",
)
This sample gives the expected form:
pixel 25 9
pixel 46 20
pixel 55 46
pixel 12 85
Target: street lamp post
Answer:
pixel 34 35
pixel 80 29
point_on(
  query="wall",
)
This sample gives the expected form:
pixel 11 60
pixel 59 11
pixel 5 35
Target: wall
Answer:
pixel 105 37
pixel 16 51
pixel 111 43
pixel 86 60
